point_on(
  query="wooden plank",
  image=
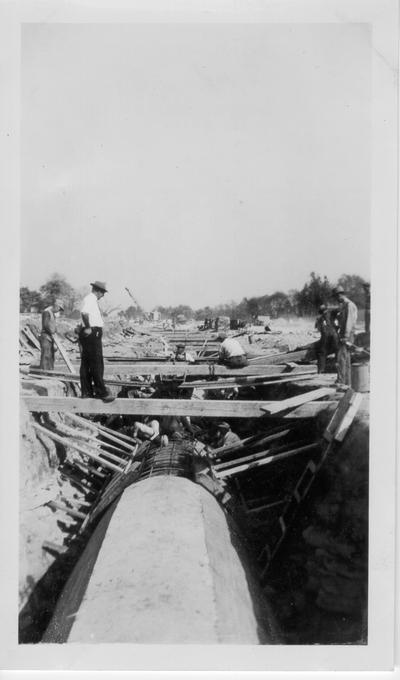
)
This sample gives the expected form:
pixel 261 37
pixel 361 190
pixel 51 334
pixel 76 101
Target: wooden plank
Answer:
pixel 349 417
pixel 69 511
pixel 122 359
pixel 244 382
pixel 54 547
pixel 189 407
pixel 25 345
pixel 73 445
pixel 282 357
pixel 181 369
pixel 74 377
pixel 338 416
pixel 63 353
pixel 122 439
pixel 265 461
pixel 79 434
pixel 224 465
pixel 308 410
pixel 260 508
pixel 87 439
pixel 251 442
pixel 156 407
pixel 229 465
pixel 285 404
pixel 35 342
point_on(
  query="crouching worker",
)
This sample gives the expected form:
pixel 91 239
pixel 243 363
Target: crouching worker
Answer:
pixel 231 352
pixel 182 355
pixel 225 436
pixel 149 429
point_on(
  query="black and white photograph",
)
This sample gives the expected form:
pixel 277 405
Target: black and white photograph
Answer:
pixel 201 208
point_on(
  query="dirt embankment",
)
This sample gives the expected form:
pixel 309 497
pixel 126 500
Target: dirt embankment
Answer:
pixel 42 530
pixel 319 584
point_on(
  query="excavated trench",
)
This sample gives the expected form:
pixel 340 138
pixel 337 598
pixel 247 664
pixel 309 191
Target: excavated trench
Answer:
pixel 175 555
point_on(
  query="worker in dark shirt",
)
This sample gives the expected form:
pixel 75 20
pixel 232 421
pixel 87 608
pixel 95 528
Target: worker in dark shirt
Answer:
pixel 49 329
pixel 329 340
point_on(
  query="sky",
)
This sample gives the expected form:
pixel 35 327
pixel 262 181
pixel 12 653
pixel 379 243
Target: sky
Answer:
pixel 194 163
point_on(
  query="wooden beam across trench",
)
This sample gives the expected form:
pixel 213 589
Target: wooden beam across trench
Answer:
pixel 161 407
pixel 181 369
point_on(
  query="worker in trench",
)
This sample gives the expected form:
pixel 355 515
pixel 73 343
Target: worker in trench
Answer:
pixel 225 436
pixel 346 319
pixel 90 338
pixel 329 340
pixel 181 354
pixel 49 329
pixel 148 430
pixel 231 352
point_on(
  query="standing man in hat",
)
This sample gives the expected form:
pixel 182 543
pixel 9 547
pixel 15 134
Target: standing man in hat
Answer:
pixel 49 329
pixel 92 364
pixel 347 318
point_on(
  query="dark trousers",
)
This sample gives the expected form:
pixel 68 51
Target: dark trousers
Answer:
pixel 92 364
pixel 239 361
pixel 344 365
pixel 47 352
pixel 328 344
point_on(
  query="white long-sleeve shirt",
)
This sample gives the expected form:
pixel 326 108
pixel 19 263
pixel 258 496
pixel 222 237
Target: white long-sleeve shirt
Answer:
pixel 231 348
pixel 347 320
pixel 90 306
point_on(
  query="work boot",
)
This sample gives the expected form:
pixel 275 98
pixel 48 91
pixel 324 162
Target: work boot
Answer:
pixel 108 398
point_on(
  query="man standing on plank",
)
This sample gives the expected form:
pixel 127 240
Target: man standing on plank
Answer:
pixel 92 364
pixel 49 329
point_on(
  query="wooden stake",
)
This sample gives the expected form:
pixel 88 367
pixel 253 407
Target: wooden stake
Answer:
pixel 63 353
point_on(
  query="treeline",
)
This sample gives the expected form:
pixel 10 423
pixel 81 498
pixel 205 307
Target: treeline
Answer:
pixel 305 302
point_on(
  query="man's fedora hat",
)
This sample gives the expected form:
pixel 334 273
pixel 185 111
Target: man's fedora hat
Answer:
pixel 101 285
pixel 339 289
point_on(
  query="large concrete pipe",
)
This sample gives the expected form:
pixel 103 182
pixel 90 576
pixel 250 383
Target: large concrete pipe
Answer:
pixel 162 566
